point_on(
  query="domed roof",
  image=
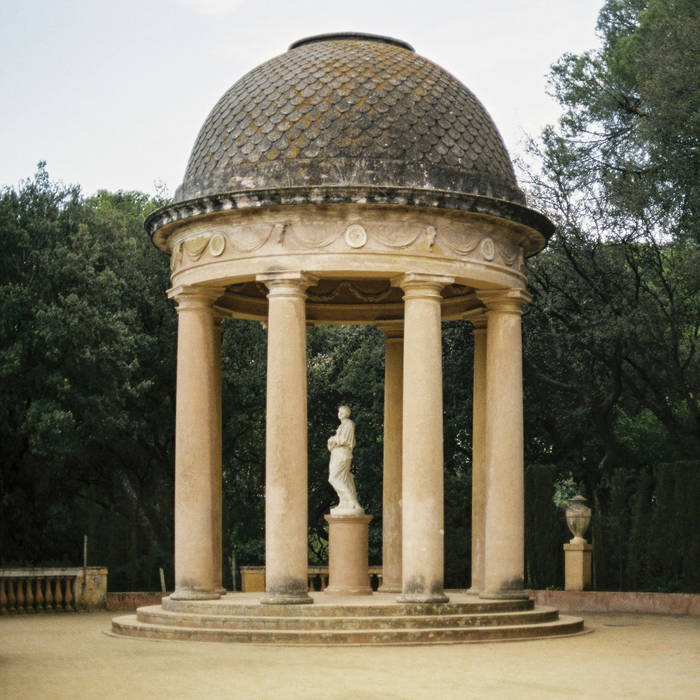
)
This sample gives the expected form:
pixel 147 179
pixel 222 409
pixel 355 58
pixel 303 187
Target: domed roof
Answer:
pixel 347 110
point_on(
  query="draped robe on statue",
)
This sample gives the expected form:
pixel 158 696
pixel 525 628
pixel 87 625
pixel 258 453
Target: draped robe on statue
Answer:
pixel 340 477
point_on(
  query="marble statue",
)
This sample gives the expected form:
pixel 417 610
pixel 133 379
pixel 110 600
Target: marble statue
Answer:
pixel 340 477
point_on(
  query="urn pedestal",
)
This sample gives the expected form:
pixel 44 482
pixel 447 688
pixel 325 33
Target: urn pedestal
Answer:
pixel 577 566
pixel 577 552
pixel 348 555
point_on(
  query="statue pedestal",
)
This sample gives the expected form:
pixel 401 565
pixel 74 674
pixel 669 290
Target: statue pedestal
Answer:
pixel 577 566
pixel 348 555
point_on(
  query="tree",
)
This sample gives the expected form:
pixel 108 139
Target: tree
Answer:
pixel 86 420
pixel 611 339
pixel 631 124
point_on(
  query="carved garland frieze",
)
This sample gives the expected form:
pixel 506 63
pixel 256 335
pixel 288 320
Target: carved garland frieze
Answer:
pixel 355 236
pixel 432 240
pixel 355 289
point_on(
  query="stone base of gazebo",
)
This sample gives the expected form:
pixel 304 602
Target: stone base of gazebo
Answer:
pixel 238 617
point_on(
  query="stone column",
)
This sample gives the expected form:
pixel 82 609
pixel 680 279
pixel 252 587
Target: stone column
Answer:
pixel 505 508
pixel 286 470
pixel 478 454
pixel 422 462
pixel 217 476
pixel 391 491
pixel 197 445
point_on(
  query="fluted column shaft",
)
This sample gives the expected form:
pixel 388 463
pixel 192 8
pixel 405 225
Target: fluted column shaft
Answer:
pixel 391 491
pixel 478 456
pixel 505 527
pixel 422 448
pixel 197 445
pixel 286 471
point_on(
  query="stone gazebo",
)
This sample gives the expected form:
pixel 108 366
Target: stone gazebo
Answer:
pixel 350 180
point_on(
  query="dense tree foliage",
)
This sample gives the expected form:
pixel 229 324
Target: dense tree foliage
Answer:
pixel 86 415
pixel 87 352
pixel 630 133
pixel 611 339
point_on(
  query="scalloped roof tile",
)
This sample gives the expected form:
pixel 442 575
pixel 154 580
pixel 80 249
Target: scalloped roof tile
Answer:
pixel 349 110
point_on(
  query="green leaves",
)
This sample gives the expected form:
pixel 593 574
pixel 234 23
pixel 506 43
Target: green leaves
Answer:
pixel 85 372
pixel 611 338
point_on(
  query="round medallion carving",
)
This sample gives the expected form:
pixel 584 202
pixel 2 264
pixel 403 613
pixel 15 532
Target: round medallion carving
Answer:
pixel 217 245
pixel 355 236
pixel 488 249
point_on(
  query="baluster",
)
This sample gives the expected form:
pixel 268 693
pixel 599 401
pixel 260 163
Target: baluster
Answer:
pixel 57 594
pixel 39 596
pixel 3 598
pixel 324 581
pixel 20 595
pixel 68 598
pixel 29 596
pixel 11 599
pixel 78 593
pixel 48 594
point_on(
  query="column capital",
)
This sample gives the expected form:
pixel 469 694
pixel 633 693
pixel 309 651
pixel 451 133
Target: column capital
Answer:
pixel 477 317
pixel 195 296
pixel 508 300
pixel 392 331
pixel 287 281
pixel 419 284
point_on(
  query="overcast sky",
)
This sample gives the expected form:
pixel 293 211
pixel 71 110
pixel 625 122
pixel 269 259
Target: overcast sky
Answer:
pixel 112 94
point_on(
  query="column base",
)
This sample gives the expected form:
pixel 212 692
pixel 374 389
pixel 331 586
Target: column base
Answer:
pixel 286 599
pixel 390 587
pixel 504 595
pixel 348 590
pixel 422 598
pixel 194 594
pixel 473 591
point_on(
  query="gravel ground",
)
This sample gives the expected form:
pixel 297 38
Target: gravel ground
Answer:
pixel 626 656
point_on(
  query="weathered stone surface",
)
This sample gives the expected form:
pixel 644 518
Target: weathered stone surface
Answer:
pixel 351 181
pixel 239 619
pixel 349 110
pixel 621 602
pixel 348 554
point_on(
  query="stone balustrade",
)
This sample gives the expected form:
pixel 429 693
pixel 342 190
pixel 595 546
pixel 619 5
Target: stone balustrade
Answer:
pixel 52 589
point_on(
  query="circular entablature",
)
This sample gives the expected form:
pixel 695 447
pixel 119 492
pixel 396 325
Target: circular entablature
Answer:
pixel 344 301
pixel 353 159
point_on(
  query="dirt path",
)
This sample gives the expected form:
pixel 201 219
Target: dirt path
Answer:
pixel 626 656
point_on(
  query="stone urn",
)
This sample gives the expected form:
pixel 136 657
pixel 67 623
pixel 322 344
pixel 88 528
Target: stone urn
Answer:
pixel 578 518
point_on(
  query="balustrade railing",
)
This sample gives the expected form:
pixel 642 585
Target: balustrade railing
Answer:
pixel 41 590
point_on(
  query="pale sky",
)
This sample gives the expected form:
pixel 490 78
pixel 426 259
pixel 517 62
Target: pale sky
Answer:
pixel 112 94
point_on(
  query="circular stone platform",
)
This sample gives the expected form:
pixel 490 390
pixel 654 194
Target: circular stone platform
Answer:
pixel 239 617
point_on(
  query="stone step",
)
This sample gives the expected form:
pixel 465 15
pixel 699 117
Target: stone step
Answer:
pixel 129 625
pixel 385 605
pixel 157 615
